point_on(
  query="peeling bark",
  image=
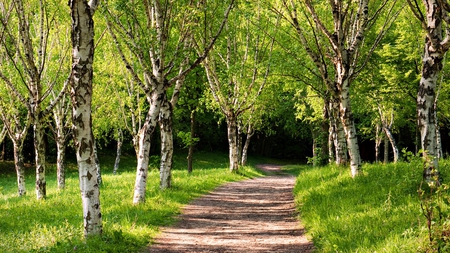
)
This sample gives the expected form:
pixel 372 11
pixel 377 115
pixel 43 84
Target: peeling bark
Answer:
pixel 338 135
pixel 81 95
pixel 39 147
pixel 20 168
pixel 145 134
pixel 165 123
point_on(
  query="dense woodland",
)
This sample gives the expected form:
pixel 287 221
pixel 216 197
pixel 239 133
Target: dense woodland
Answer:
pixel 340 82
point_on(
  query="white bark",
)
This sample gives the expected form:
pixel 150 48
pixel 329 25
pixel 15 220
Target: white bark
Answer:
pixel 140 184
pixel 61 135
pixel 97 164
pixel 60 163
pixel 378 139
pixel 391 139
pixel 338 135
pixel 436 14
pixel 250 133
pixel 350 130
pixel 39 147
pixel 165 122
pixel 191 146
pixel 232 141
pixel 118 151
pixel 81 94
pixel 20 168
pixel 145 134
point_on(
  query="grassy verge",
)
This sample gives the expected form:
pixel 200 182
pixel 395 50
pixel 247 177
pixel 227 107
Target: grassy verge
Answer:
pixel 378 211
pixel 55 224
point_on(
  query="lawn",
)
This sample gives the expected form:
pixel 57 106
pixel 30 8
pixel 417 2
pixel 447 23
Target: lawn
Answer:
pixel 55 224
pixel 378 211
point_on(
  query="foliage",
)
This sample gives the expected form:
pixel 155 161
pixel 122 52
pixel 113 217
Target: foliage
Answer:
pixel 55 224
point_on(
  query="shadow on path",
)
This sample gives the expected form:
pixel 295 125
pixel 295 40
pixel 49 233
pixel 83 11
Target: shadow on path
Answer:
pixel 255 215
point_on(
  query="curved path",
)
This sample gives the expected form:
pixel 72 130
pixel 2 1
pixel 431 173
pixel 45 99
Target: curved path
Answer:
pixel 255 215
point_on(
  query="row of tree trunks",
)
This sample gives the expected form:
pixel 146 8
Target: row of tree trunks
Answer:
pixel 351 21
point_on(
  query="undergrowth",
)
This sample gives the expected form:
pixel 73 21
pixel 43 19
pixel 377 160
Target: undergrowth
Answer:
pixel 55 224
pixel 378 211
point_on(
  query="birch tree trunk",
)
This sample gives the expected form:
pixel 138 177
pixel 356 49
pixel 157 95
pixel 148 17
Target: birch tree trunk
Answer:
pixel 232 141
pixel 434 50
pixel 20 168
pixel 338 135
pixel 378 139
pixel 391 139
pixel 165 123
pixel 81 93
pixel 60 138
pixel 145 134
pixel 239 141
pixel 39 147
pixel 60 162
pixel 118 151
pixel 97 164
pixel 349 128
pixel 192 144
pixel 250 133
pixel 331 147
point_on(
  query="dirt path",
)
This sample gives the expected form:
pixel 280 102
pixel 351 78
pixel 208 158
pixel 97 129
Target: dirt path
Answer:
pixel 256 215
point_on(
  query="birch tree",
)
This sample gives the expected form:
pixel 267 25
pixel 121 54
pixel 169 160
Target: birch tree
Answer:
pixel 17 122
pixel 29 28
pixel 153 40
pixel 82 13
pixel 435 22
pixel 61 131
pixel 237 71
pixel 340 44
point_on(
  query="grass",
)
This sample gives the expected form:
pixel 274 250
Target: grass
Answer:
pixel 55 224
pixel 378 211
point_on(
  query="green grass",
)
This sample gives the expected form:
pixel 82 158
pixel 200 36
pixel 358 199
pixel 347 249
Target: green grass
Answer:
pixel 378 211
pixel 55 224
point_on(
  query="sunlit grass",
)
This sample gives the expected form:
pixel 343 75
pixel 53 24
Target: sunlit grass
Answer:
pixel 55 224
pixel 378 211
